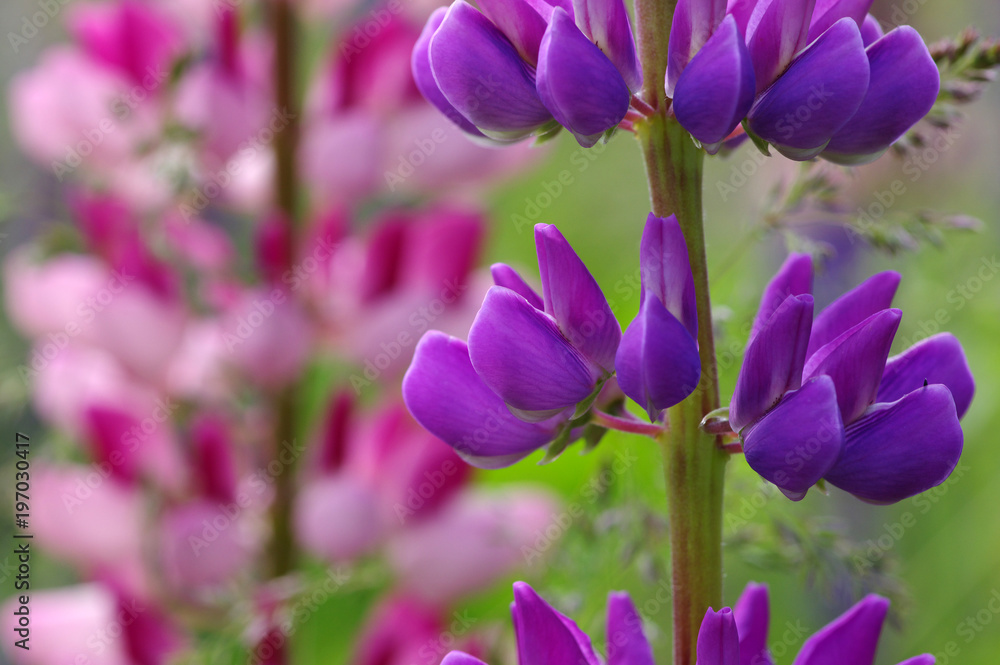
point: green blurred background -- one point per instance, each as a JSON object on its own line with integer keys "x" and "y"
{"x": 937, "y": 555}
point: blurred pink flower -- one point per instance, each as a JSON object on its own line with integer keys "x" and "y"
{"x": 403, "y": 631}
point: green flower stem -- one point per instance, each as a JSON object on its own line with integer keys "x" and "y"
{"x": 694, "y": 461}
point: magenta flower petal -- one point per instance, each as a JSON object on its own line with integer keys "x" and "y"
{"x": 657, "y": 362}
{"x": 607, "y": 25}
{"x": 716, "y": 90}
{"x": 577, "y": 83}
{"x": 520, "y": 21}
{"x": 775, "y": 32}
{"x": 752, "y": 618}
{"x": 420, "y": 65}
{"x": 446, "y": 396}
{"x": 798, "y": 441}
{"x": 520, "y": 354}
{"x": 794, "y": 278}
{"x": 461, "y": 658}
{"x": 850, "y": 639}
{"x": 693, "y": 24}
{"x": 505, "y": 276}
{"x": 544, "y": 636}
{"x": 904, "y": 86}
{"x": 900, "y": 449}
{"x": 855, "y": 362}
{"x": 574, "y": 299}
{"x": 818, "y": 94}
{"x": 481, "y": 74}
{"x": 871, "y": 296}
{"x": 718, "y": 643}
{"x": 937, "y": 359}
{"x": 773, "y": 362}
{"x": 828, "y": 12}
{"x": 626, "y": 643}
{"x": 665, "y": 269}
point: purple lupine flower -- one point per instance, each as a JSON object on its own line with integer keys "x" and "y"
{"x": 529, "y": 362}
{"x": 545, "y": 636}
{"x": 819, "y": 398}
{"x": 739, "y": 637}
{"x": 657, "y": 362}
{"x": 516, "y": 68}
{"x": 810, "y": 78}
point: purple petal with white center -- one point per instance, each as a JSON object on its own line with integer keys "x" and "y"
{"x": 828, "y": 12}
{"x": 871, "y": 296}
{"x": 871, "y": 30}
{"x": 937, "y": 359}
{"x": 505, "y": 276}
{"x": 626, "y": 643}
{"x": 461, "y": 658}
{"x": 420, "y": 65}
{"x": 716, "y": 90}
{"x": 607, "y": 25}
{"x": 545, "y": 636}
{"x": 901, "y": 449}
{"x": 904, "y": 86}
{"x": 773, "y": 362}
{"x": 657, "y": 362}
{"x": 665, "y": 269}
{"x": 850, "y": 639}
{"x": 718, "y": 643}
{"x": 520, "y": 355}
{"x": 752, "y": 619}
{"x": 799, "y": 440}
{"x": 574, "y": 299}
{"x": 446, "y": 396}
{"x": 818, "y": 94}
{"x": 794, "y": 278}
{"x": 775, "y": 32}
{"x": 520, "y": 22}
{"x": 855, "y": 362}
{"x": 693, "y": 24}
{"x": 577, "y": 83}
{"x": 481, "y": 74}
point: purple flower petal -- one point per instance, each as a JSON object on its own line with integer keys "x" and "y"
{"x": 716, "y": 90}
{"x": 693, "y": 23}
{"x": 775, "y": 32}
{"x": 577, "y": 83}
{"x": 461, "y": 658}
{"x": 871, "y": 296}
{"x": 752, "y": 618}
{"x": 742, "y": 11}
{"x": 773, "y": 362}
{"x": 794, "y": 278}
{"x": 505, "y": 276}
{"x": 871, "y": 30}
{"x": 718, "y": 643}
{"x": 925, "y": 659}
{"x": 657, "y": 362}
{"x": 520, "y": 22}
{"x": 607, "y": 24}
{"x": 626, "y": 643}
{"x": 520, "y": 355}
{"x": 818, "y": 94}
{"x": 481, "y": 74}
{"x": 855, "y": 362}
{"x": 828, "y": 12}
{"x": 937, "y": 359}
{"x": 574, "y": 299}
{"x": 850, "y": 639}
{"x": 446, "y": 396}
{"x": 798, "y": 441}
{"x": 420, "y": 64}
{"x": 897, "y": 450}
{"x": 665, "y": 269}
{"x": 544, "y": 636}
{"x": 904, "y": 86}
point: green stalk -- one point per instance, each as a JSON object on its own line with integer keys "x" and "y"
{"x": 694, "y": 462}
